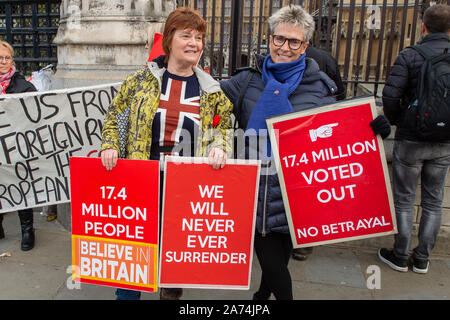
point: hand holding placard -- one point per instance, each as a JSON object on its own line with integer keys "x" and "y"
{"x": 109, "y": 158}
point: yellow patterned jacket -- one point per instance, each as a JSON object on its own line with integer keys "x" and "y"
{"x": 142, "y": 92}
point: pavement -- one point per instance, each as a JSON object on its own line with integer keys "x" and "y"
{"x": 347, "y": 271}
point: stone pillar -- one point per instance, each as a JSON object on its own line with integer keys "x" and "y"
{"x": 102, "y": 41}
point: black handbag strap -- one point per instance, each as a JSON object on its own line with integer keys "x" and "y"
{"x": 424, "y": 51}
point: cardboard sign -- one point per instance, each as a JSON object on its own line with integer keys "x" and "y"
{"x": 115, "y": 223}
{"x": 208, "y": 223}
{"x": 333, "y": 174}
{"x": 39, "y": 132}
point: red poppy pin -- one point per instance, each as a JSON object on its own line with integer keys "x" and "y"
{"x": 216, "y": 121}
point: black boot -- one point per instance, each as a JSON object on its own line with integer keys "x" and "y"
{"x": 2, "y": 232}
{"x": 302, "y": 254}
{"x": 26, "y": 223}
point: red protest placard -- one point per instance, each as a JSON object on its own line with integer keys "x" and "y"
{"x": 333, "y": 174}
{"x": 208, "y": 224}
{"x": 115, "y": 223}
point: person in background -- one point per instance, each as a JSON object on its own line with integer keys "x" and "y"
{"x": 328, "y": 64}
{"x": 155, "y": 96}
{"x": 12, "y": 81}
{"x": 414, "y": 157}
{"x": 284, "y": 81}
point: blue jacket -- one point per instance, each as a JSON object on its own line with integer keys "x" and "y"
{"x": 315, "y": 89}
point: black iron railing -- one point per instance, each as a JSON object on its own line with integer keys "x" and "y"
{"x": 365, "y": 36}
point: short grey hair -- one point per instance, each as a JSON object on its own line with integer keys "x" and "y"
{"x": 296, "y": 16}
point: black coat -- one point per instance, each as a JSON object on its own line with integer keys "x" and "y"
{"x": 18, "y": 84}
{"x": 315, "y": 89}
{"x": 401, "y": 85}
{"x": 328, "y": 64}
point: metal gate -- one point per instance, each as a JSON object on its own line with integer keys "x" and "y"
{"x": 30, "y": 26}
{"x": 365, "y": 36}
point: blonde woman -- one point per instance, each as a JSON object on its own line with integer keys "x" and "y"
{"x": 12, "y": 81}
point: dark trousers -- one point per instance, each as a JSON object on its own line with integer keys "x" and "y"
{"x": 23, "y": 214}
{"x": 126, "y": 294}
{"x": 26, "y": 222}
{"x": 26, "y": 211}
{"x": 430, "y": 162}
{"x": 274, "y": 251}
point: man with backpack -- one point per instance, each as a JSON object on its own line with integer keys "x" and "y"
{"x": 416, "y": 99}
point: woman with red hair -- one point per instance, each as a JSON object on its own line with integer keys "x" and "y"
{"x": 171, "y": 101}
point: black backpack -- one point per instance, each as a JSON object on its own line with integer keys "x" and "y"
{"x": 431, "y": 110}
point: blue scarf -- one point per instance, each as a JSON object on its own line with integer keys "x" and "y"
{"x": 281, "y": 79}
